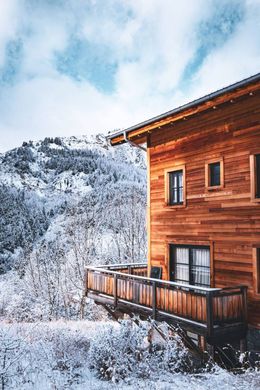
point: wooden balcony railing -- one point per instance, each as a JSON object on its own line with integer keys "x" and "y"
{"x": 212, "y": 312}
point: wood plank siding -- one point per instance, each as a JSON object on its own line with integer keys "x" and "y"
{"x": 222, "y": 128}
{"x": 226, "y": 219}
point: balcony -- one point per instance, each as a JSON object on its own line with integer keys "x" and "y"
{"x": 218, "y": 314}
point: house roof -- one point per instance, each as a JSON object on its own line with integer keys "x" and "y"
{"x": 142, "y": 127}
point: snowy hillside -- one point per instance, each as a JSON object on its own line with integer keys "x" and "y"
{"x": 102, "y": 355}
{"x": 58, "y": 165}
{"x": 65, "y": 203}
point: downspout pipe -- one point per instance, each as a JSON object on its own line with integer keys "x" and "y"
{"x": 133, "y": 143}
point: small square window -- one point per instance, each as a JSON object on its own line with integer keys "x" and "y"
{"x": 214, "y": 174}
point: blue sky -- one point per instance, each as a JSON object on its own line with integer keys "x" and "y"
{"x": 71, "y": 67}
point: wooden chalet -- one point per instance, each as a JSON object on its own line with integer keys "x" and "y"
{"x": 203, "y": 214}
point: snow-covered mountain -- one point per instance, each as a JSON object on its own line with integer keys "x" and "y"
{"x": 58, "y": 165}
{"x": 45, "y": 184}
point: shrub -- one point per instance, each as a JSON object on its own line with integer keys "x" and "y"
{"x": 117, "y": 353}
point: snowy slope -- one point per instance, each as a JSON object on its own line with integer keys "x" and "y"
{"x": 57, "y": 355}
{"x": 29, "y": 165}
{"x": 44, "y": 185}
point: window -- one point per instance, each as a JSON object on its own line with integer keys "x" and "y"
{"x": 214, "y": 174}
{"x": 190, "y": 265}
{"x": 175, "y": 186}
{"x": 255, "y": 177}
{"x": 256, "y": 270}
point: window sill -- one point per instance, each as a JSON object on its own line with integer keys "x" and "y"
{"x": 255, "y": 200}
{"x": 215, "y": 188}
{"x": 174, "y": 206}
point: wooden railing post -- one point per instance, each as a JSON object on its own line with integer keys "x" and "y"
{"x": 129, "y": 269}
{"x": 154, "y": 299}
{"x": 244, "y": 300}
{"x": 86, "y": 282}
{"x": 209, "y": 311}
{"x": 115, "y": 290}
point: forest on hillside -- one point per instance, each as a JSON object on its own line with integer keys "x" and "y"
{"x": 65, "y": 204}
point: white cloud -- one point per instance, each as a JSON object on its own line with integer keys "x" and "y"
{"x": 58, "y": 106}
{"x": 152, "y": 42}
{"x": 238, "y": 58}
{"x": 9, "y": 11}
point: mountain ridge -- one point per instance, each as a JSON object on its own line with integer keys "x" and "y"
{"x": 41, "y": 182}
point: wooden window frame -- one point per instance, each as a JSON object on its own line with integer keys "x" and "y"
{"x": 190, "y": 263}
{"x": 207, "y": 174}
{"x": 209, "y": 244}
{"x": 167, "y": 185}
{"x": 256, "y": 271}
{"x": 253, "y": 178}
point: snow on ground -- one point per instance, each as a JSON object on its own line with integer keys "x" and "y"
{"x": 55, "y": 355}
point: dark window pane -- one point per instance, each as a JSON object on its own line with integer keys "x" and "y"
{"x": 176, "y": 187}
{"x": 175, "y": 196}
{"x": 257, "y": 160}
{"x": 214, "y": 174}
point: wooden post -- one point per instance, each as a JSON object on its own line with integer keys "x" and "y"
{"x": 115, "y": 290}
{"x": 244, "y": 292}
{"x": 210, "y": 322}
{"x": 243, "y": 342}
{"x": 243, "y": 345}
{"x": 84, "y": 295}
{"x": 129, "y": 269}
{"x": 211, "y": 351}
{"x": 209, "y": 311}
{"x": 154, "y": 299}
{"x": 86, "y": 282}
{"x": 150, "y": 339}
{"x": 202, "y": 343}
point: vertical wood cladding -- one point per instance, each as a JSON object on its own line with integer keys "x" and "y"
{"x": 226, "y": 218}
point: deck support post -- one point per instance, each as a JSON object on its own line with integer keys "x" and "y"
{"x": 150, "y": 339}
{"x": 202, "y": 343}
{"x": 243, "y": 345}
{"x": 210, "y": 322}
{"x": 209, "y": 311}
{"x": 244, "y": 292}
{"x": 211, "y": 351}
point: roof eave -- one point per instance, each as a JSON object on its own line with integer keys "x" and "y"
{"x": 183, "y": 108}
